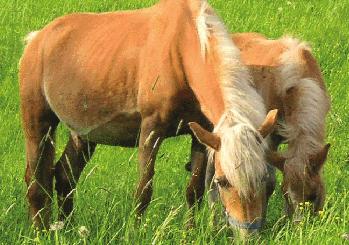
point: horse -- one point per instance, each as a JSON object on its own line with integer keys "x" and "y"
{"x": 288, "y": 78}
{"x": 124, "y": 77}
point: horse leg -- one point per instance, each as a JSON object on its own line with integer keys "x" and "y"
{"x": 212, "y": 190}
{"x": 196, "y": 187}
{"x": 150, "y": 139}
{"x": 68, "y": 170}
{"x": 276, "y": 140}
{"x": 39, "y": 125}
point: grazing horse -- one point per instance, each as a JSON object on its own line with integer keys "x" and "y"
{"x": 287, "y": 76}
{"x": 112, "y": 78}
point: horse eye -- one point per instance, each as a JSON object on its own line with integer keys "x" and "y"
{"x": 222, "y": 182}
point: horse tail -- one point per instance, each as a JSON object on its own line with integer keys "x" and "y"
{"x": 30, "y": 63}
{"x": 30, "y": 37}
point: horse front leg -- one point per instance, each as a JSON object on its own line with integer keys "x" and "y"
{"x": 68, "y": 170}
{"x": 212, "y": 192}
{"x": 196, "y": 187}
{"x": 275, "y": 142}
{"x": 151, "y": 137}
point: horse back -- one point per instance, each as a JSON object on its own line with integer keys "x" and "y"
{"x": 276, "y": 64}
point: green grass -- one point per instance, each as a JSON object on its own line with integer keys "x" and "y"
{"x": 104, "y": 202}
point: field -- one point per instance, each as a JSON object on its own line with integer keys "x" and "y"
{"x": 104, "y": 196}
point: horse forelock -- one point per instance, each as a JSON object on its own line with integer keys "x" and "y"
{"x": 242, "y": 157}
{"x": 296, "y": 170}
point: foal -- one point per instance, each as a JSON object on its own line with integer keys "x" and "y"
{"x": 288, "y": 78}
{"x": 109, "y": 76}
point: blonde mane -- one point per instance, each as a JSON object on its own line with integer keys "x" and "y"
{"x": 242, "y": 155}
{"x": 306, "y": 133}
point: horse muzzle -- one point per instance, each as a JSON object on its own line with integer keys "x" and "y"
{"x": 246, "y": 229}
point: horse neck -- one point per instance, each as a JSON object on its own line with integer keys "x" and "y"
{"x": 226, "y": 95}
{"x": 202, "y": 76}
{"x": 214, "y": 72}
{"x": 208, "y": 91}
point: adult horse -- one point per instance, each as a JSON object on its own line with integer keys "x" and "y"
{"x": 111, "y": 76}
{"x": 287, "y": 76}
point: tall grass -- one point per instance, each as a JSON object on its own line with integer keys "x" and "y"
{"x": 104, "y": 196}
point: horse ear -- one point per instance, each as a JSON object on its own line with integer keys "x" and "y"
{"x": 269, "y": 123}
{"x": 317, "y": 160}
{"x": 205, "y": 137}
{"x": 276, "y": 160}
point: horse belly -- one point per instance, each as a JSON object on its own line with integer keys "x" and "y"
{"x": 123, "y": 130}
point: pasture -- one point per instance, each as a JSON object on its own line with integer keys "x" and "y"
{"x": 104, "y": 197}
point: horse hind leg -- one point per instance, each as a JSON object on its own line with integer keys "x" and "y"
{"x": 68, "y": 170}
{"x": 39, "y": 124}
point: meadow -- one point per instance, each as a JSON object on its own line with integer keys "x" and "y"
{"x": 104, "y": 196}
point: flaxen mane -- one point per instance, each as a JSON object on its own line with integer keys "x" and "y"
{"x": 242, "y": 154}
{"x": 306, "y": 133}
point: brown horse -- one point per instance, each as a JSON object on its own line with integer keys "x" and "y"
{"x": 113, "y": 76}
{"x": 288, "y": 78}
